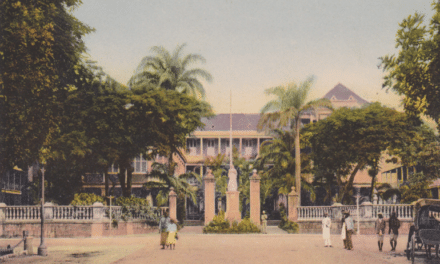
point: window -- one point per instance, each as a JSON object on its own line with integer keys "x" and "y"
{"x": 140, "y": 164}
{"x": 247, "y": 147}
{"x": 192, "y": 146}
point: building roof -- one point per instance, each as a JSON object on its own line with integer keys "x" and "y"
{"x": 221, "y": 122}
{"x": 342, "y": 93}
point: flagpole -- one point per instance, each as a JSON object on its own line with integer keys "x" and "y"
{"x": 231, "y": 165}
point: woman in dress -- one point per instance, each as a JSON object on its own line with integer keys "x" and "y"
{"x": 343, "y": 232}
{"x": 163, "y": 227}
{"x": 172, "y": 234}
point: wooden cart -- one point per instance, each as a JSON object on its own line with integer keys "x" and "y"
{"x": 425, "y": 233}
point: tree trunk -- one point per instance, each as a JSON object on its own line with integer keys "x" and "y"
{"x": 349, "y": 183}
{"x": 298, "y": 159}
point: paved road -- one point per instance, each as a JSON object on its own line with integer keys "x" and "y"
{"x": 194, "y": 247}
{"x": 275, "y": 247}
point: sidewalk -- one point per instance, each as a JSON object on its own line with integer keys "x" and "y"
{"x": 195, "y": 247}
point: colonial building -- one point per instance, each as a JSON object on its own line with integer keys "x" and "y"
{"x": 213, "y": 139}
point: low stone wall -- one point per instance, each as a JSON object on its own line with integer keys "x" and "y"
{"x": 56, "y": 229}
{"x": 366, "y": 226}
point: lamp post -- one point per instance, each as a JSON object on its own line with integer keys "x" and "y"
{"x": 357, "y": 212}
{"x": 42, "y": 249}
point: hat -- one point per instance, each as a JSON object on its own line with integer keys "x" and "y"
{"x": 379, "y": 214}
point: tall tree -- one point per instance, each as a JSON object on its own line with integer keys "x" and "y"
{"x": 286, "y": 110}
{"x": 350, "y": 140}
{"x": 40, "y": 46}
{"x": 415, "y": 71}
{"x": 280, "y": 152}
{"x": 171, "y": 71}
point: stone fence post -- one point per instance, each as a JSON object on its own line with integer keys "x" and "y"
{"x": 209, "y": 197}
{"x": 98, "y": 211}
{"x": 173, "y": 204}
{"x": 292, "y": 205}
{"x": 337, "y": 211}
{"x": 368, "y": 209}
{"x": 255, "y": 197}
{"x": 48, "y": 210}
{"x": 3, "y": 211}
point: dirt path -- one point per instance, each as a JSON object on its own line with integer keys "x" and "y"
{"x": 194, "y": 247}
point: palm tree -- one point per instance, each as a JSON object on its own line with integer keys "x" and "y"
{"x": 171, "y": 71}
{"x": 280, "y": 152}
{"x": 286, "y": 110}
{"x": 162, "y": 179}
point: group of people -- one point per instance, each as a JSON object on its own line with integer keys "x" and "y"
{"x": 348, "y": 229}
{"x": 393, "y": 230}
{"x": 168, "y": 231}
{"x": 346, "y": 232}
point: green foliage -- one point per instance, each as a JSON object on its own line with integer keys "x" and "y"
{"x": 417, "y": 188}
{"x": 286, "y": 110}
{"x": 218, "y": 224}
{"x": 414, "y": 71}
{"x": 86, "y": 199}
{"x": 171, "y": 72}
{"x": 41, "y": 45}
{"x": 280, "y": 151}
{"x": 285, "y": 224}
{"x": 350, "y": 140}
{"x": 221, "y": 225}
{"x": 139, "y": 207}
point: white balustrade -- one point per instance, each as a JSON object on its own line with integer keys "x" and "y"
{"x": 403, "y": 211}
{"x": 22, "y": 212}
{"x": 313, "y": 212}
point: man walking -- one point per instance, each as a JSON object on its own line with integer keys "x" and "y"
{"x": 349, "y": 224}
{"x": 394, "y": 230}
{"x": 380, "y": 230}
{"x": 326, "y": 224}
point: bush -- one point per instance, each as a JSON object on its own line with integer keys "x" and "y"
{"x": 221, "y": 225}
{"x": 285, "y": 224}
{"x": 86, "y": 199}
{"x": 137, "y": 207}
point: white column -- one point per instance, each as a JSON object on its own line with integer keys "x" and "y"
{"x": 201, "y": 147}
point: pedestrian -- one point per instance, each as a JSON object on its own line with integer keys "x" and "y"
{"x": 326, "y": 225}
{"x": 163, "y": 227}
{"x": 344, "y": 232}
{"x": 380, "y": 230}
{"x": 349, "y": 225}
{"x": 264, "y": 223}
{"x": 394, "y": 224}
{"x": 172, "y": 234}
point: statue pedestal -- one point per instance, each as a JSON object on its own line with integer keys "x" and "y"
{"x": 232, "y": 206}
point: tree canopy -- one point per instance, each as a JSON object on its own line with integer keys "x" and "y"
{"x": 415, "y": 71}
{"x": 40, "y": 47}
{"x": 350, "y": 140}
{"x": 171, "y": 72}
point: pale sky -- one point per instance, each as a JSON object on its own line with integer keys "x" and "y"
{"x": 252, "y": 45}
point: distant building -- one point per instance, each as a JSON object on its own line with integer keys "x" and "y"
{"x": 213, "y": 139}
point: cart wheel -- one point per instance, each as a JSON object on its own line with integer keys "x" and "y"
{"x": 412, "y": 248}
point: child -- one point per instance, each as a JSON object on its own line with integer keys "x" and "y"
{"x": 172, "y": 234}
